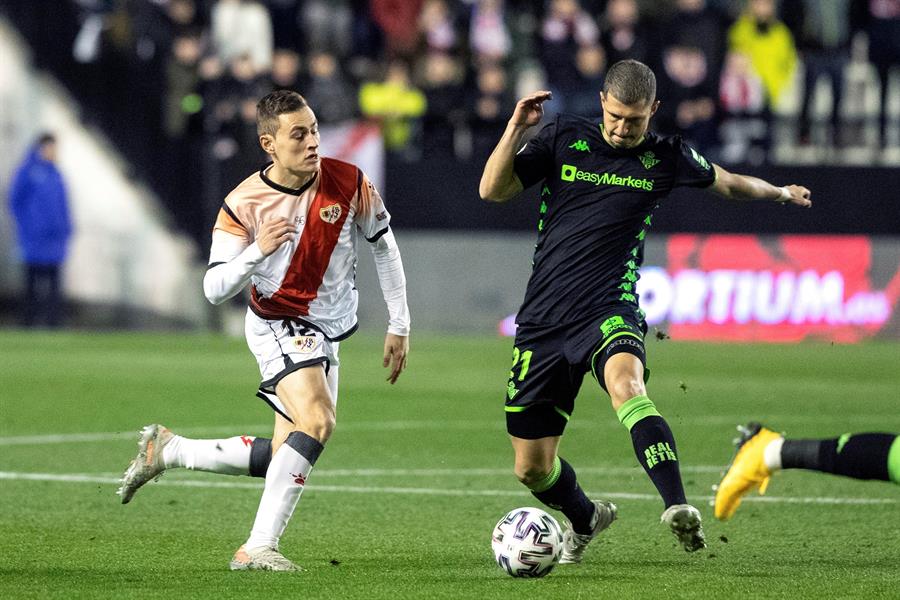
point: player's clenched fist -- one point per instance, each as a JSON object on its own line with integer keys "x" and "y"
{"x": 799, "y": 195}
{"x": 273, "y": 233}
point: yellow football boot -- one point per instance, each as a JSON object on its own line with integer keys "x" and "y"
{"x": 746, "y": 471}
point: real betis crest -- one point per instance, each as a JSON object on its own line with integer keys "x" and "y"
{"x": 648, "y": 159}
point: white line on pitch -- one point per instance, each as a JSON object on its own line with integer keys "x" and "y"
{"x": 231, "y": 430}
{"x": 355, "y": 489}
{"x": 860, "y": 421}
{"x": 109, "y": 436}
{"x": 462, "y": 471}
{"x": 497, "y": 471}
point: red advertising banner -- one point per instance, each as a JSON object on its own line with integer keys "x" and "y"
{"x": 775, "y": 289}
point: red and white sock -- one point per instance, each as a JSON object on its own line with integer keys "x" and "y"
{"x": 229, "y": 456}
{"x": 285, "y": 480}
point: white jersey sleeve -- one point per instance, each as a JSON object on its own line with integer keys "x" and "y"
{"x": 393, "y": 282}
{"x": 373, "y": 221}
{"x": 372, "y": 218}
{"x": 232, "y": 258}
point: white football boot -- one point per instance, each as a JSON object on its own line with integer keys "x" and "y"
{"x": 574, "y": 544}
{"x": 684, "y": 521}
{"x": 261, "y": 559}
{"x": 148, "y": 464}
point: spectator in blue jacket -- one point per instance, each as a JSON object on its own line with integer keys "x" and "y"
{"x": 39, "y": 204}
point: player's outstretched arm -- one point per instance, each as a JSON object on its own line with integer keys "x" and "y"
{"x": 499, "y": 182}
{"x": 744, "y": 187}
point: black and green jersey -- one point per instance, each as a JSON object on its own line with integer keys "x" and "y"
{"x": 596, "y": 206}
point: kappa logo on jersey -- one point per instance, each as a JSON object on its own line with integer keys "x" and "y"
{"x": 648, "y": 159}
{"x": 581, "y": 145}
{"x": 700, "y": 160}
{"x": 330, "y": 214}
{"x": 381, "y": 216}
{"x": 305, "y": 344}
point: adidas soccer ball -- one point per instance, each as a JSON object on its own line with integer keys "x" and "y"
{"x": 527, "y": 542}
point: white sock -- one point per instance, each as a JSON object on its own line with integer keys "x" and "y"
{"x": 285, "y": 480}
{"x": 227, "y": 456}
{"x": 772, "y": 454}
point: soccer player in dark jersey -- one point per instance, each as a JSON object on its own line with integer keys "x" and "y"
{"x": 761, "y": 452}
{"x": 601, "y": 183}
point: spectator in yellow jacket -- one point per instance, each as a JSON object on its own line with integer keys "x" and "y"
{"x": 768, "y": 42}
{"x": 396, "y": 103}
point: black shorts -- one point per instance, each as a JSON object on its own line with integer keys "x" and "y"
{"x": 549, "y": 363}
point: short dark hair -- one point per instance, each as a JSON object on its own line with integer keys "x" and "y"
{"x": 276, "y": 103}
{"x": 631, "y": 82}
{"x": 46, "y": 138}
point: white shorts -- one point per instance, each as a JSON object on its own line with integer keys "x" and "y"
{"x": 282, "y": 347}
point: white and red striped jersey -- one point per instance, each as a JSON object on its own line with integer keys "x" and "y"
{"x": 312, "y": 277}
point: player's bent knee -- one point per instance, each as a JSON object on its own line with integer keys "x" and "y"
{"x": 624, "y": 389}
{"x": 531, "y": 473}
{"x": 315, "y": 418}
{"x": 321, "y": 422}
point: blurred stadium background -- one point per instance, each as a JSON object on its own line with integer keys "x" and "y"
{"x": 152, "y": 102}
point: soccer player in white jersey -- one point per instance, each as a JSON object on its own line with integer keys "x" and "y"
{"x": 290, "y": 232}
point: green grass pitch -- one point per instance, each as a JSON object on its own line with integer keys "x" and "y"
{"x": 402, "y": 502}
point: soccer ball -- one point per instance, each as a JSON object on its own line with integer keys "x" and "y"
{"x": 527, "y": 542}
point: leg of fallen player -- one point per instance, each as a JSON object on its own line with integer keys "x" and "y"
{"x": 762, "y": 452}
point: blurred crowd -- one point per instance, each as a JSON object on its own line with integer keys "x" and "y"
{"x": 441, "y": 76}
